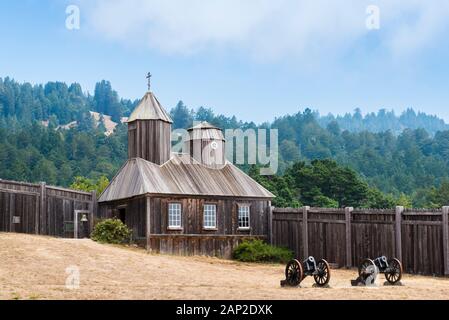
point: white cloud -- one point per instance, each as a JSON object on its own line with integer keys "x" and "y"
{"x": 265, "y": 29}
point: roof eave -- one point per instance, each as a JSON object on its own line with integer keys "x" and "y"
{"x": 164, "y": 195}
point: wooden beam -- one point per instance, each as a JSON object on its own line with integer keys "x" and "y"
{"x": 30, "y": 193}
{"x": 270, "y": 222}
{"x": 94, "y": 208}
{"x": 398, "y": 232}
{"x": 68, "y": 190}
{"x": 148, "y": 222}
{"x": 36, "y": 214}
{"x": 348, "y": 237}
{"x": 43, "y": 208}
{"x": 445, "y": 225}
{"x": 305, "y": 231}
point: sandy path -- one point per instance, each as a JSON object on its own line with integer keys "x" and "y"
{"x": 35, "y": 268}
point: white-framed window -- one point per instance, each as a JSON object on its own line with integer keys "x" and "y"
{"x": 244, "y": 216}
{"x": 210, "y": 216}
{"x": 174, "y": 216}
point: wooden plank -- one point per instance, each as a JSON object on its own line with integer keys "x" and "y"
{"x": 18, "y": 191}
{"x": 421, "y": 223}
{"x": 305, "y": 231}
{"x": 372, "y": 222}
{"x": 270, "y": 222}
{"x": 445, "y": 229}
{"x": 148, "y": 223}
{"x": 398, "y": 232}
{"x": 37, "y": 214}
{"x": 93, "y": 209}
{"x": 348, "y": 237}
{"x": 43, "y": 208}
{"x": 51, "y": 188}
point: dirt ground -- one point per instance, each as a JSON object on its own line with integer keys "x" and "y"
{"x": 35, "y": 268}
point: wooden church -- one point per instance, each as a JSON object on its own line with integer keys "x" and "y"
{"x": 191, "y": 203}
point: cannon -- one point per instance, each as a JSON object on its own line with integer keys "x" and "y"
{"x": 369, "y": 269}
{"x": 295, "y": 272}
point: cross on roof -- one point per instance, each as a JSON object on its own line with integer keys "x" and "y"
{"x": 149, "y": 75}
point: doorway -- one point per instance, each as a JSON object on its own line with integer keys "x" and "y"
{"x": 82, "y": 224}
{"x": 122, "y": 214}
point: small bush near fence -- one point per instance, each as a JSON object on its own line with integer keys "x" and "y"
{"x": 259, "y": 251}
{"x": 111, "y": 231}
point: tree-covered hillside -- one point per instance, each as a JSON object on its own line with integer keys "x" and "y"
{"x": 407, "y": 163}
{"x": 384, "y": 120}
{"x": 58, "y": 102}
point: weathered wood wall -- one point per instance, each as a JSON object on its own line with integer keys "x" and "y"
{"x": 149, "y": 140}
{"x": 192, "y": 216}
{"x": 192, "y": 238}
{"x": 41, "y": 209}
{"x": 135, "y": 217}
{"x": 190, "y": 245}
{"x": 419, "y": 238}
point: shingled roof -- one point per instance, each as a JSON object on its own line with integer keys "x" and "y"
{"x": 181, "y": 175}
{"x": 149, "y": 108}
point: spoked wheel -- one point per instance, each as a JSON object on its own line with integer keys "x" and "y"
{"x": 366, "y": 268}
{"x": 323, "y": 273}
{"x": 394, "y": 273}
{"x": 368, "y": 272}
{"x": 294, "y": 273}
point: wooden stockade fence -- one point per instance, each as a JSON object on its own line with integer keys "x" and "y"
{"x": 45, "y": 210}
{"x": 418, "y": 237}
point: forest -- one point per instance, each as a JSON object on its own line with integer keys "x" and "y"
{"x": 377, "y": 160}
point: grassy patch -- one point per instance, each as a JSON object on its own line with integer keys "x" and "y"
{"x": 259, "y": 251}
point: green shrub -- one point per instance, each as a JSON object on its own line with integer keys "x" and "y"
{"x": 259, "y": 251}
{"x": 111, "y": 231}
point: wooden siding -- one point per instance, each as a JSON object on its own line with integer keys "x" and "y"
{"x": 18, "y": 212}
{"x": 192, "y": 238}
{"x": 150, "y": 140}
{"x": 135, "y": 214}
{"x": 193, "y": 245}
{"x": 346, "y": 236}
{"x": 41, "y": 209}
{"x": 192, "y": 216}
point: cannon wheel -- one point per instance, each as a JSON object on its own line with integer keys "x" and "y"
{"x": 364, "y": 266}
{"x": 395, "y": 271}
{"x": 294, "y": 273}
{"x": 323, "y": 274}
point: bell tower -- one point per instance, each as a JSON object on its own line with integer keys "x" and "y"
{"x": 149, "y": 130}
{"x": 206, "y": 144}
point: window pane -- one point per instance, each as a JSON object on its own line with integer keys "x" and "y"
{"x": 174, "y": 215}
{"x": 210, "y": 216}
{"x": 243, "y": 216}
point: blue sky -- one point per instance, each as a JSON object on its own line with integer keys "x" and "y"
{"x": 253, "y": 59}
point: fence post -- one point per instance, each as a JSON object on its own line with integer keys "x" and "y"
{"x": 348, "y": 238}
{"x": 270, "y": 222}
{"x": 43, "y": 209}
{"x": 398, "y": 232}
{"x": 94, "y": 210}
{"x": 445, "y": 221}
{"x": 37, "y": 217}
{"x": 148, "y": 224}
{"x": 305, "y": 231}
